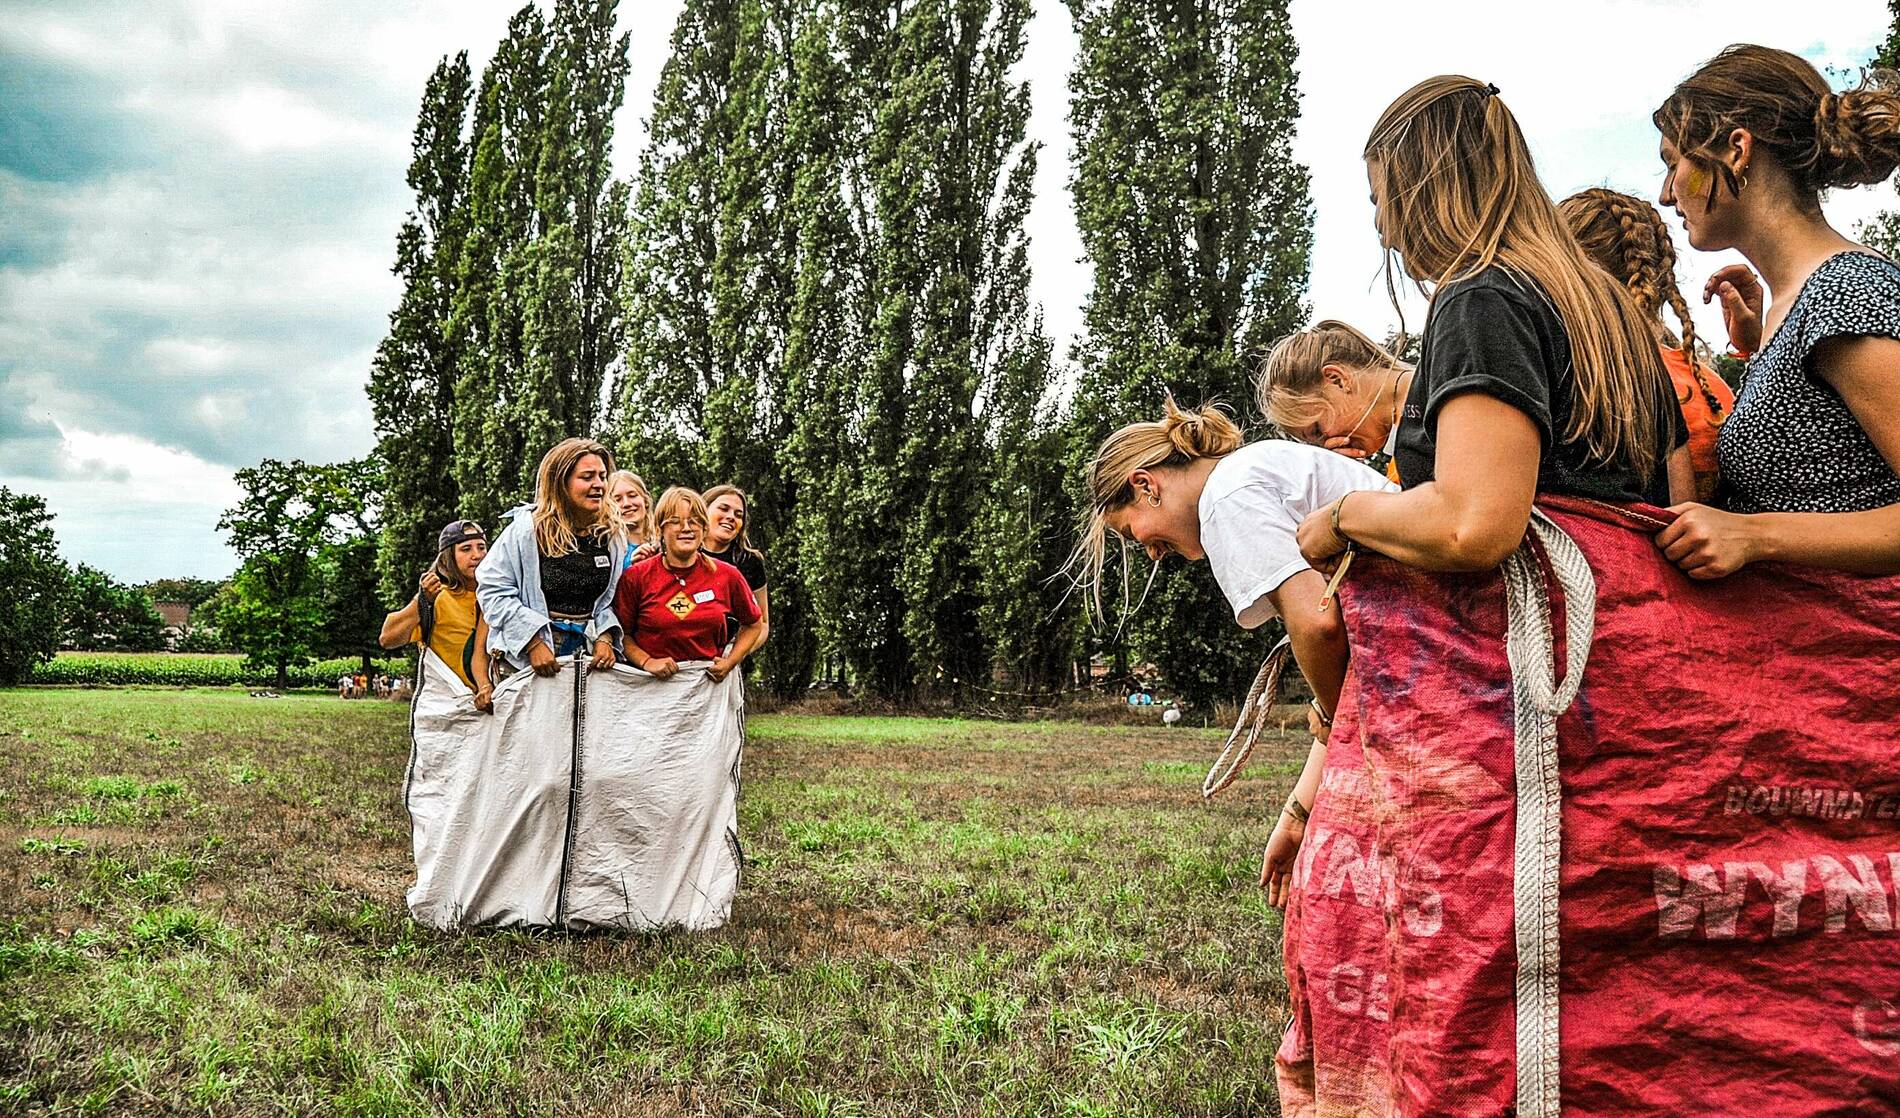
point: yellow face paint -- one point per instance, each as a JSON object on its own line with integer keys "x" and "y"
{"x": 1695, "y": 183}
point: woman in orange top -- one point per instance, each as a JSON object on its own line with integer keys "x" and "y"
{"x": 1627, "y": 238}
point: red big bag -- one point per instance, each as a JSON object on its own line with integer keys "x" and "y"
{"x": 1597, "y": 839}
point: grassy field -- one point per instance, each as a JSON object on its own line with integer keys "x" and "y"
{"x": 203, "y": 913}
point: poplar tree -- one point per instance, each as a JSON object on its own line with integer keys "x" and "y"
{"x": 487, "y": 328}
{"x": 830, "y": 315}
{"x": 1197, "y": 222}
{"x": 713, "y": 263}
{"x": 413, "y": 376}
{"x": 536, "y": 322}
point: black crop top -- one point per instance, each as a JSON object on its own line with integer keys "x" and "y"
{"x": 573, "y": 583}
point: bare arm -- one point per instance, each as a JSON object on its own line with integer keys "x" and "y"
{"x": 1681, "y": 476}
{"x": 764, "y": 597}
{"x": 1470, "y": 518}
{"x": 749, "y": 639}
{"x": 399, "y": 626}
{"x": 1709, "y": 543}
{"x": 1319, "y": 646}
{"x": 1318, "y": 636}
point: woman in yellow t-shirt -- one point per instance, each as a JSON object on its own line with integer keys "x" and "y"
{"x": 457, "y": 632}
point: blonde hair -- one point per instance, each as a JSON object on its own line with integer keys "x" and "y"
{"x": 1626, "y": 237}
{"x": 1821, "y": 138}
{"x": 1287, "y": 387}
{"x": 1175, "y": 440}
{"x": 744, "y": 539}
{"x": 1459, "y": 194}
{"x": 687, "y": 505}
{"x": 558, "y": 522}
{"x": 645, "y": 527}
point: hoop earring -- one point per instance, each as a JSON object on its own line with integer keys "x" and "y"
{"x": 1154, "y": 501}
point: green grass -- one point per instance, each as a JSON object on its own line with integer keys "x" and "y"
{"x": 204, "y": 913}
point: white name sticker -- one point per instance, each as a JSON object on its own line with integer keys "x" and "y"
{"x": 703, "y": 597}
{"x": 602, "y": 560}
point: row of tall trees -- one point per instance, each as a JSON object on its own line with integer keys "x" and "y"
{"x": 818, "y": 288}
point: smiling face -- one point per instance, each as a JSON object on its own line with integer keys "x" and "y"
{"x": 726, "y": 516}
{"x": 1171, "y": 528}
{"x": 680, "y": 535}
{"x": 587, "y": 485}
{"x": 627, "y": 498}
{"x": 469, "y": 555}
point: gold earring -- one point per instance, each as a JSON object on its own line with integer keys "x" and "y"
{"x": 1154, "y": 500}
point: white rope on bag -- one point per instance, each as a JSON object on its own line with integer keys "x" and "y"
{"x": 1251, "y": 723}
{"x": 1539, "y": 699}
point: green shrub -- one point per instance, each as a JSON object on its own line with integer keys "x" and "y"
{"x": 179, "y": 669}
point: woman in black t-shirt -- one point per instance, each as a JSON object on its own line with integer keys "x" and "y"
{"x": 727, "y": 510}
{"x": 1537, "y": 372}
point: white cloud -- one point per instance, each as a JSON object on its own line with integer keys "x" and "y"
{"x": 136, "y": 509}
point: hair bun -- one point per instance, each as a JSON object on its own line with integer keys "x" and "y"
{"x": 1203, "y": 433}
{"x": 1857, "y": 133}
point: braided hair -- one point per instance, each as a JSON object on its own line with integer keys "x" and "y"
{"x": 1626, "y": 237}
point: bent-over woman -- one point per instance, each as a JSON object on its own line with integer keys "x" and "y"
{"x": 1184, "y": 485}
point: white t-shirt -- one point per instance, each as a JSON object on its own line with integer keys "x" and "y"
{"x": 1251, "y": 510}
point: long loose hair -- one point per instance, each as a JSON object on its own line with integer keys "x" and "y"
{"x": 558, "y": 521}
{"x": 743, "y": 541}
{"x": 1459, "y": 193}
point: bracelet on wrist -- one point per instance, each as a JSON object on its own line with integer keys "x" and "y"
{"x": 1338, "y": 506}
{"x": 1299, "y": 811}
{"x": 1325, "y": 719}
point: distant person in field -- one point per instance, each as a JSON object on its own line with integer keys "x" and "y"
{"x": 628, "y": 492}
{"x": 672, "y": 606}
{"x": 1185, "y": 485}
{"x": 444, "y": 615}
{"x": 1810, "y": 456}
{"x": 547, "y": 585}
{"x": 1627, "y": 238}
{"x": 727, "y": 510}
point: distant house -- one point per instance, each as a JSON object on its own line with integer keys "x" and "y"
{"x": 177, "y": 618}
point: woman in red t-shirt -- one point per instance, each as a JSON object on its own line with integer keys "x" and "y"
{"x": 672, "y": 606}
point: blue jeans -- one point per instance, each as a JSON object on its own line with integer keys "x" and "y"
{"x": 570, "y": 637}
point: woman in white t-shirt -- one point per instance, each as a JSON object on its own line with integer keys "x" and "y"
{"x": 1186, "y": 486}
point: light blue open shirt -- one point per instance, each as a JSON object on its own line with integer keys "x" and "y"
{"x": 508, "y": 589}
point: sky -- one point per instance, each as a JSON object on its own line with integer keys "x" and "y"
{"x": 199, "y": 202}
